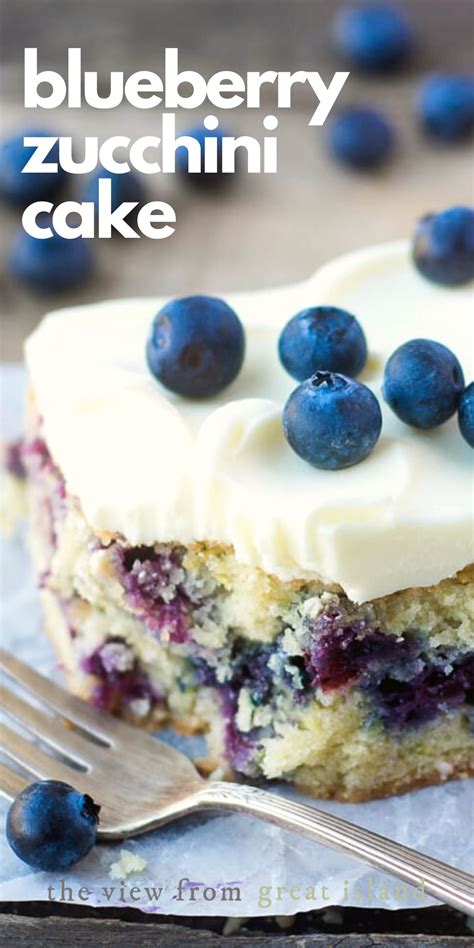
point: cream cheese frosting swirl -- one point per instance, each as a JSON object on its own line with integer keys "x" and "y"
{"x": 154, "y": 466}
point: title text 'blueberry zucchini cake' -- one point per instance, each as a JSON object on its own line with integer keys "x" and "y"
{"x": 294, "y": 579}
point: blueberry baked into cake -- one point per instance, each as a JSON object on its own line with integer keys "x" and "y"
{"x": 255, "y": 517}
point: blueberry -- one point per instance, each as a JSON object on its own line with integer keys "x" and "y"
{"x": 445, "y": 106}
{"x": 332, "y": 421}
{"x": 322, "y": 338}
{"x": 25, "y": 188}
{"x": 374, "y": 36}
{"x": 440, "y": 686}
{"x": 443, "y": 246}
{"x": 466, "y": 414}
{"x": 50, "y": 265}
{"x": 124, "y": 187}
{"x": 361, "y": 138}
{"x": 51, "y": 826}
{"x": 423, "y": 382}
{"x": 196, "y": 347}
{"x": 201, "y": 179}
{"x": 344, "y": 648}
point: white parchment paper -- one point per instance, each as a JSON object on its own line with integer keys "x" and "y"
{"x": 273, "y": 871}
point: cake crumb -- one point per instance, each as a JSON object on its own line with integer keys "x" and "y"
{"x": 233, "y": 925}
{"x": 245, "y": 711}
{"x": 127, "y": 864}
{"x": 444, "y": 769}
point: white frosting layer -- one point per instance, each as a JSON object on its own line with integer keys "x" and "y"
{"x": 156, "y": 467}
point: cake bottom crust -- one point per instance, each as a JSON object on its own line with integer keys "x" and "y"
{"x": 461, "y": 770}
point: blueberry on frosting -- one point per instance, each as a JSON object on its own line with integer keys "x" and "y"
{"x": 361, "y": 138}
{"x": 445, "y": 106}
{"x": 196, "y": 347}
{"x": 443, "y": 246}
{"x": 374, "y": 36}
{"x": 332, "y": 421}
{"x": 423, "y": 382}
{"x": 322, "y": 338}
{"x": 466, "y": 414}
{"x": 51, "y": 826}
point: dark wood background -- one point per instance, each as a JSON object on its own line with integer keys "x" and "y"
{"x": 263, "y": 230}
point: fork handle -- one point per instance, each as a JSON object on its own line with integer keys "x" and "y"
{"x": 445, "y": 883}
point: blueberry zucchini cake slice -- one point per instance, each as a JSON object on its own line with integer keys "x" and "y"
{"x": 315, "y": 619}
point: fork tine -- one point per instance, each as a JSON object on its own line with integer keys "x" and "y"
{"x": 49, "y": 729}
{"x": 105, "y": 727}
{"x": 11, "y": 783}
{"x": 33, "y": 758}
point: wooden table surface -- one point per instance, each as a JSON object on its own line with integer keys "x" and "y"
{"x": 263, "y": 230}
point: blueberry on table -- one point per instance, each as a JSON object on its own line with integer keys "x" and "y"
{"x": 445, "y": 106}
{"x": 443, "y": 246}
{"x": 196, "y": 347}
{"x": 52, "y": 264}
{"x": 124, "y": 187}
{"x": 332, "y": 421}
{"x": 322, "y": 338}
{"x": 361, "y": 138}
{"x": 22, "y": 189}
{"x": 466, "y": 414}
{"x": 209, "y": 180}
{"x": 51, "y": 826}
{"x": 423, "y": 382}
{"x": 374, "y": 37}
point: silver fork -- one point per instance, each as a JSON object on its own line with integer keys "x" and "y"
{"x": 141, "y": 783}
